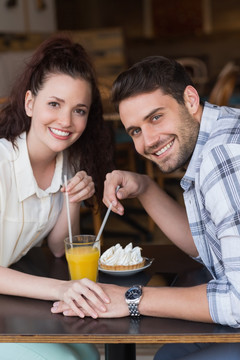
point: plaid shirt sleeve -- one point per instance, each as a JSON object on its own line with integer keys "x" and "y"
{"x": 219, "y": 185}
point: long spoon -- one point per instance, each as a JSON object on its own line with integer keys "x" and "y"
{"x": 105, "y": 218}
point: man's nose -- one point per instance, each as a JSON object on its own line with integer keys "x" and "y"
{"x": 150, "y": 137}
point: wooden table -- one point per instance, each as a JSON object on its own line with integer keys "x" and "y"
{"x": 30, "y": 320}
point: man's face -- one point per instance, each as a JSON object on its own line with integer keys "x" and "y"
{"x": 162, "y": 130}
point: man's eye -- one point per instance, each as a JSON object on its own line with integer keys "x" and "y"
{"x": 156, "y": 117}
{"x": 135, "y": 132}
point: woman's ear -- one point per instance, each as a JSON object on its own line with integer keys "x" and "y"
{"x": 29, "y": 103}
{"x": 192, "y": 100}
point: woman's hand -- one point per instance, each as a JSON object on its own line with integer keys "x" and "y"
{"x": 80, "y": 187}
{"x": 81, "y": 298}
{"x": 116, "y": 307}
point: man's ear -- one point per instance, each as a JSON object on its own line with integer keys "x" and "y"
{"x": 191, "y": 99}
{"x": 29, "y": 103}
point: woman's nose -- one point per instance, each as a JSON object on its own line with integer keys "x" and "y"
{"x": 65, "y": 119}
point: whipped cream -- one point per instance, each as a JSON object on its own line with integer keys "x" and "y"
{"x": 116, "y": 255}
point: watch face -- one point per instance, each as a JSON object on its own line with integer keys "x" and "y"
{"x": 134, "y": 292}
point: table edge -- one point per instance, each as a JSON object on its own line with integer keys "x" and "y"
{"x": 113, "y": 339}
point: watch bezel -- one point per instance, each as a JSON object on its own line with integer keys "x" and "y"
{"x": 133, "y": 302}
{"x": 130, "y": 291}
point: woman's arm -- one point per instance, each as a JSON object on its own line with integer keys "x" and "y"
{"x": 73, "y": 293}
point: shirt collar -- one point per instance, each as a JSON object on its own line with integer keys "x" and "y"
{"x": 25, "y": 180}
{"x": 209, "y": 117}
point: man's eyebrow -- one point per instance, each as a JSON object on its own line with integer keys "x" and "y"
{"x": 130, "y": 128}
{"x": 152, "y": 112}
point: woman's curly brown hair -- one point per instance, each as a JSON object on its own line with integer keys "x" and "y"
{"x": 93, "y": 151}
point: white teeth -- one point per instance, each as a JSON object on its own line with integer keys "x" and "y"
{"x": 164, "y": 149}
{"x": 59, "y": 132}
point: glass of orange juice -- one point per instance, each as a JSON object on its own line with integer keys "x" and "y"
{"x": 82, "y": 254}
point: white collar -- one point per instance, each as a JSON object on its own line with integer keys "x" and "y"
{"x": 25, "y": 180}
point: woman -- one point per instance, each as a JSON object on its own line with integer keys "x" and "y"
{"x": 52, "y": 125}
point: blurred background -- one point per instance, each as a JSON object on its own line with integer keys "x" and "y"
{"x": 207, "y": 30}
{"x": 203, "y": 35}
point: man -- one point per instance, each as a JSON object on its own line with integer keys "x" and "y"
{"x": 161, "y": 110}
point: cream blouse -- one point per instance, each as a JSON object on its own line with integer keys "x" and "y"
{"x": 27, "y": 213}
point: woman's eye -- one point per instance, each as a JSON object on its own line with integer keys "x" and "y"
{"x": 80, "y": 111}
{"x": 53, "y": 104}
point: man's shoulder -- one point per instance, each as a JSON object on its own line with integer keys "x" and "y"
{"x": 229, "y": 112}
{"x": 220, "y": 112}
{"x": 225, "y": 124}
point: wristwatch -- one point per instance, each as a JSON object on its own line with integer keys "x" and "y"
{"x": 133, "y": 296}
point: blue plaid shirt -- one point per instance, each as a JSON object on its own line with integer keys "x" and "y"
{"x": 212, "y": 199}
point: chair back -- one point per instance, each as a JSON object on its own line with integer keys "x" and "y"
{"x": 225, "y": 84}
{"x": 197, "y": 69}
{"x": 3, "y": 100}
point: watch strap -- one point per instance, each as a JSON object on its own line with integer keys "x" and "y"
{"x": 133, "y": 309}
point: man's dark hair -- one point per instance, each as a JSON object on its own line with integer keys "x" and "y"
{"x": 152, "y": 73}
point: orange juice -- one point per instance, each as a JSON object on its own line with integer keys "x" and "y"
{"x": 83, "y": 262}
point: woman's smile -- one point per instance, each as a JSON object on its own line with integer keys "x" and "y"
{"x": 60, "y": 134}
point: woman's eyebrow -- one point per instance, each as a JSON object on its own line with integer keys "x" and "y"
{"x": 57, "y": 98}
{"x": 63, "y": 101}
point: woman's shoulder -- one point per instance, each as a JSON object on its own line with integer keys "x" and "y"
{"x": 6, "y": 168}
{"x": 7, "y": 150}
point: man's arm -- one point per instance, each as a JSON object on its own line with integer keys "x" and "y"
{"x": 168, "y": 302}
{"x": 170, "y": 216}
{"x": 182, "y": 303}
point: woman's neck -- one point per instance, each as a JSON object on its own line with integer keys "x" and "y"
{"x": 43, "y": 162}
{"x": 44, "y": 173}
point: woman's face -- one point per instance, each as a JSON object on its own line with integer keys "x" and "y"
{"x": 59, "y": 113}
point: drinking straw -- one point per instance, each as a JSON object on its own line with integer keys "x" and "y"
{"x": 68, "y": 211}
{"x": 105, "y": 218}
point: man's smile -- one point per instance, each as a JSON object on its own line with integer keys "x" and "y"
{"x": 161, "y": 151}
{"x": 164, "y": 149}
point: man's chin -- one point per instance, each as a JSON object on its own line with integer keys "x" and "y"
{"x": 168, "y": 169}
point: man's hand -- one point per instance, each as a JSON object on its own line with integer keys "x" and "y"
{"x": 116, "y": 308}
